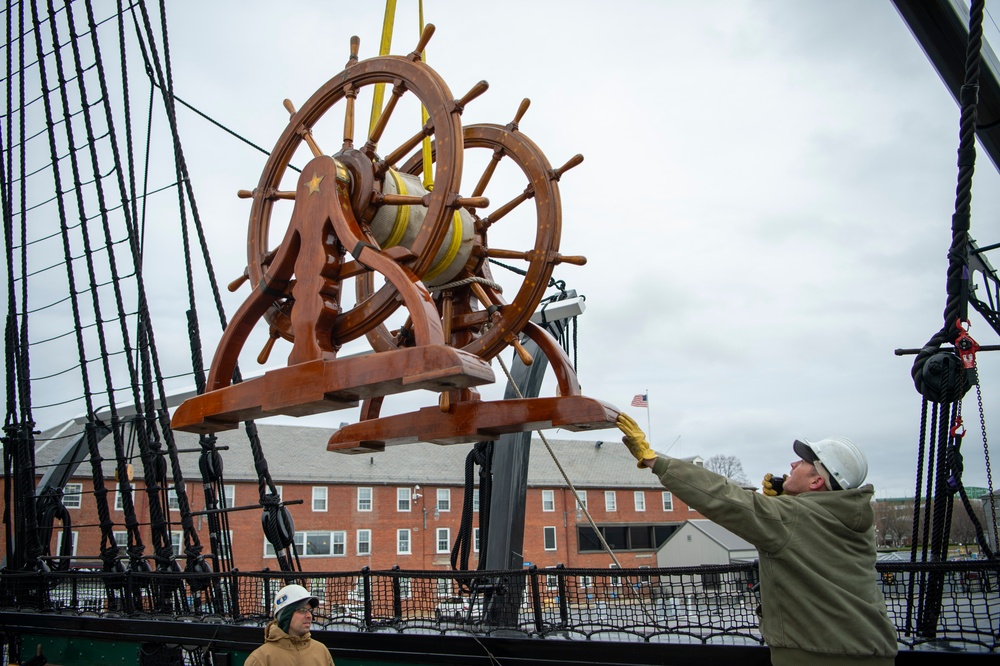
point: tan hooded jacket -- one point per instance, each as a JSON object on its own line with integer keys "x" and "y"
{"x": 280, "y": 649}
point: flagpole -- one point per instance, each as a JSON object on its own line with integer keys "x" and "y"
{"x": 649, "y": 425}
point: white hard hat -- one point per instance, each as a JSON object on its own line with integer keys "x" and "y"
{"x": 839, "y": 456}
{"x": 290, "y": 596}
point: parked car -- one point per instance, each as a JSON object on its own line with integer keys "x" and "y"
{"x": 460, "y": 609}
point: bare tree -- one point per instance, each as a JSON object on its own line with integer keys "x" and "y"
{"x": 893, "y": 522}
{"x": 728, "y": 466}
{"x": 963, "y": 530}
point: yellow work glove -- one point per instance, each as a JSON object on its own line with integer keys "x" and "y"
{"x": 635, "y": 439}
{"x": 773, "y": 484}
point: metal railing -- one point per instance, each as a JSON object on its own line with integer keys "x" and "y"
{"x": 954, "y": 604}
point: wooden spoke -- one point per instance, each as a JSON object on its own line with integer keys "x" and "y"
{"x": 238, "y": 282}
{"x": 404, "y": 149}
{"x": 521, "y": 110}
{"x": 473, "y": 93}
{"x": 555, "y": 258}
{"x": 574, "y": 161}
{"x": 503, "y": 210}
{"x": 265, "y": 353}
{"x": 271, "y": 195}
{"x": 472, "y": 202}
{"x": 491, "y": 167}
{"x": 522, "y": 353}
{"x": 425, "y": 37}
{"x": 355, "y": 47}
{"x": 398, "y": 88}
{"x": 380, "y": 199}
{"x": 305, "y": 132}
{"x": 498, "y": 152}
{"x": 350, "y": 95}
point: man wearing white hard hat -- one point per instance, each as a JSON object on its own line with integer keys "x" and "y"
{"x": 286, "y": 638}
{"x": 814, "y": 532}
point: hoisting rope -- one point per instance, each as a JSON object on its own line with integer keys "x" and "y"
{"x": 944, "y": 377}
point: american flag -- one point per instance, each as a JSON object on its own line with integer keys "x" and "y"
{"x": 640, "y": 400}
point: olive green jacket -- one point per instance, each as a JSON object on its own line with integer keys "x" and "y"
{"x": 817, "y": 560}
{"x": 280, "y": 649}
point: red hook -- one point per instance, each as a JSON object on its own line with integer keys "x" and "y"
{"x": 958, "y": 429}
{"x": 966, "y": 346}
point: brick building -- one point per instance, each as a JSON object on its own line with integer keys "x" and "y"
{"x": 399, "y": 507}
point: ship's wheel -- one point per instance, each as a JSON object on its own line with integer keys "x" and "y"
{"x": 414, "y": 241}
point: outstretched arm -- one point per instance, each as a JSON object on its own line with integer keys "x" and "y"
{"x": 635, "y": 440}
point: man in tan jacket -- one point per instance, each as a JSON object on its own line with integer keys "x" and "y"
{"x": 820, "y": 601}
{"x": 286, "y": 638}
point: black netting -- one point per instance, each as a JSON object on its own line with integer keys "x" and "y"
{"x": 706, "y": 604}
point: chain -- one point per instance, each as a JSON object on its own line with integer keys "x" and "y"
{"x": 986, "y": 452}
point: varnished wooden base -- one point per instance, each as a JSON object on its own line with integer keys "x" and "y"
{"x": 322, "y": 386}
{"x": 475, "y": 421}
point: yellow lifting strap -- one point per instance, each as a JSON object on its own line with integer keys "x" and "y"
{"x": 428, "y": 155}
{"x": 383, "y": 50}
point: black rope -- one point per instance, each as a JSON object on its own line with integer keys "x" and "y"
{"x": 957, "y": 281}
{"x": 482, "y": 455}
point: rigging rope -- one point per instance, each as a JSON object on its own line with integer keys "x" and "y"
{"x": 944, "y": 377}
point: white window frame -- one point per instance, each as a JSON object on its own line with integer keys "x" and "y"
{"x": 475, "y": 500}
{"x": 610, "y": 501}
{"x": 581, "y": 503}
{"x": 227, "y": 552}
{"x": 640, "y": 500}
{"x": 443, "y": 587}
{"x": 118, "y": 501}
{"x": 404, "y": 500}
{"x": 177, "y": 542}
{"x": 320, "y": 497}
{"x": 614, "y": 581}
{"x": 475, "y": 539}
{"x": 548, "y": 500}
{"x": 443, "y": 500}
{"x": 336, "y": 538}
{"x": 366, "y": 499}
{"x": 229, "y": 492}
{"x": 73, "y": 495}
{"x": 338, "y": 541}
{"x": 442, "y": 535}
{"x": 121, "y": 538}
{"x": 668, "y": 500}
{"x": 364, "y": 538}
{"x": 405, "y": 588}
{"x": 173, "y": 501}
{"x": 404, "y": 542}
{"x": 546, "y": 532}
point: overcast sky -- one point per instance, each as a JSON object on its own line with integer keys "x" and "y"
{"x": 765, "y": 202}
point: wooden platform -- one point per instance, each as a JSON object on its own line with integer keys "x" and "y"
{"x": 320, "y": 386}
{"x": 475, "y": 421}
